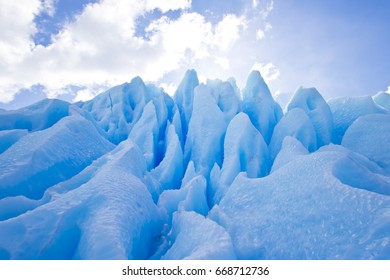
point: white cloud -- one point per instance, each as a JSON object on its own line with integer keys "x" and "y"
{"x": 190, "y": 40}
{"x": 165, "y": 6}
{"x": 222, "y": 61}
{"x": 260, "y": 34}
{"x": 255, "y": 3}
{"x": 16, "y": 25}
{"x": 228, "y": 30}
{"x": 48, "y": 6}
{"x": 268, "y": 71}
{"x": 267, "y": 10}
{"x": 189, "y": 34}
{"x": 388, "y": 90}
{"x": 100, "y": 48}
{"x": 84, "y": 95}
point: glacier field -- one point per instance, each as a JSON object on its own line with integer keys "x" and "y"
{"x": 213, "y": 172}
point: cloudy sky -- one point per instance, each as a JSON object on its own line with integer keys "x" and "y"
{"x": 74, "y": 49}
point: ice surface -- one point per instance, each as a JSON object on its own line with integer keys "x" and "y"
{"x": 10, "y": 137}
{"x": 111, "y": 216}
{"x": 356, "y": 171}
{"x": 244, "y": 151}
{"x": 38, "y": 116}
{"x": 346, "y": 110}
{"x": 383, "y": 99}
{"x": 304, "y": 211}
{"x": 237, "y": 91}
{"x": 191, "y": 197}
{"x": 14, "y": 206}
{"x": 204, "y": 144}
{"x": 133, "y": 174}
{"x": 145, "y": 134}
{"x": 318, "y": 111}
{"x": 226, "y": 98}
{"x": 189, "y": 174}
{"x": 259, "y": 105}
{"x": 194, "y": 237}
{"x": 215, "y": 104}
{"x": 184, "y": 98}
{"x": 295, "y": 123}
{"x": 44, "y": 158}
{"x": 119, "y": 109}
{"x": 291, "y": 149}
{"x": 170, "y": 171}
{"x": 366, "y": 134}
{"x": 176, "y": 122}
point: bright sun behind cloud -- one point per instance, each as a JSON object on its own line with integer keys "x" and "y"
{"x": 102, "y": 46}
{"x": 76, "y": 49}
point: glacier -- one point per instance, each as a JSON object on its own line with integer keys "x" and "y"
{"x": 213, "y": 172}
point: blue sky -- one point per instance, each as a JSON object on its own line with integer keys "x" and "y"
{"x": 75, "y": 49}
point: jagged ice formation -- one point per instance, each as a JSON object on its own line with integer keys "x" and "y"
{"x": 212, "y": 173}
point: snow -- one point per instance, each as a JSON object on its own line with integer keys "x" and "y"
{"x": 214, "y": 173}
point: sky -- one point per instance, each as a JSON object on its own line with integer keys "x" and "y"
{"x": 74, "y": 50}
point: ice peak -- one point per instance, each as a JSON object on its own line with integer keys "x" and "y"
{"x": 184, "y": 97}
{"x": 136, "y": 174}
{"x": 137, "y": 81}
{"x": 318, "y": 111}
{"x": 189, "y": 82}
{"x": 256, "y": 86}
{"x": 309, "y": 95}
{"x": 191, "y": 75}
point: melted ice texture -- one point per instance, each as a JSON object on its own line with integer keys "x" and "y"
{"x": 212, "y": 173}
